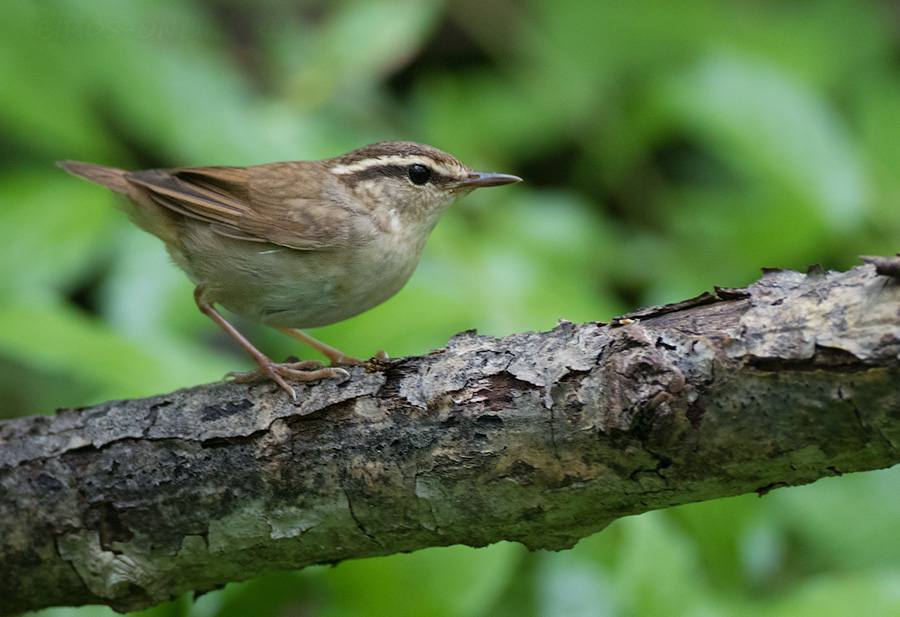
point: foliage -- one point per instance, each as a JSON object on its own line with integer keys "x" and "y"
{"x": 667, "y": 147}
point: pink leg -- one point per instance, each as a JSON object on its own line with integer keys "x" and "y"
{"x": 335, "y": 356}
{"x": 299, "y": 371}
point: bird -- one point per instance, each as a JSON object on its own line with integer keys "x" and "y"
{"x": 300, "y": 244}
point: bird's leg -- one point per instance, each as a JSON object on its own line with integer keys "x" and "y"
{"x": 335, "y": 356}
{"x": 299, "y": 371}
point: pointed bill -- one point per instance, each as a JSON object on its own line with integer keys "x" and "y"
{"x": 478, "y": 179}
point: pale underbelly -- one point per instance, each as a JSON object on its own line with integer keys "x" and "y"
{"x": 289, "y": 288}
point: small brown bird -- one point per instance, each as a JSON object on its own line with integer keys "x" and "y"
{"x": 298, "y": 244}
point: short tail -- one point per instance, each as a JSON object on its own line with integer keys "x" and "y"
{"x": 109, "y": 177}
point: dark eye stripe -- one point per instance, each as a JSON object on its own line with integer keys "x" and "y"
{"x": 396, "y": 171}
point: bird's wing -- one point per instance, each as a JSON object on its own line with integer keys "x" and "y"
{"x": 256, "y": 204}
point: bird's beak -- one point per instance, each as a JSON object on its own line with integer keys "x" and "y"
{"x": 478, "y": 179}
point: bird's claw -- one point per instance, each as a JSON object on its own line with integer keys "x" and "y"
{"x": 306, "y": 370}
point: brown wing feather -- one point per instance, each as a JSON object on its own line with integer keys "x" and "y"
{"x": 264, "y": 203}
{"x": 168, "y": 189}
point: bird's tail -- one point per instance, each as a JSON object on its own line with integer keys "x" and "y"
{"x": 109, "y": 177}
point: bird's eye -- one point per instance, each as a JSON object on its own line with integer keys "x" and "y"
{"x": 418, "y": 174}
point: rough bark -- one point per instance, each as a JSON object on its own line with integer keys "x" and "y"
{"x": 540, "y": 438}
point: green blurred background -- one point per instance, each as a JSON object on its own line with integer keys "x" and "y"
{"x": 666, "y": 146}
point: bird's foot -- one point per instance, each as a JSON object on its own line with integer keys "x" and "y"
{"x": 306, "y": 370}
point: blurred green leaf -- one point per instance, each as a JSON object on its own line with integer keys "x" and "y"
{"x": 60, "y": 340}
{"x": 52, "y": 230}
{"x": 837, "y": 596}
{"x": 790, "y": 136}
{"x": 455, "y": 581}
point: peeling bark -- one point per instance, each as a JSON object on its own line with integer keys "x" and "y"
{"x": 539, "y": 438}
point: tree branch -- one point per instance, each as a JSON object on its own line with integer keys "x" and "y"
{"x": 539, "y": 438}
